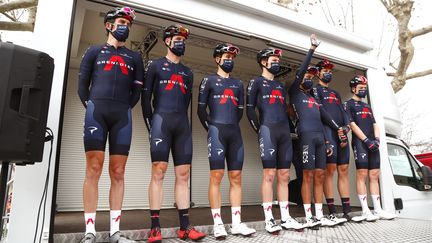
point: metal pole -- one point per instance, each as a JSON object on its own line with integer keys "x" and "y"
{"x": 3, "y": 192}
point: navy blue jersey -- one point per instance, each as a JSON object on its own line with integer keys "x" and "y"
{"x": 269, "y": 96}
{"x": 224, "y": 97}
{"x": 361, "y": 114}
{"x": 332, "y": 102}
{"x": 110, "y": 73}
{"x": 309, "y": 111}
{"x": 170, "y": 85}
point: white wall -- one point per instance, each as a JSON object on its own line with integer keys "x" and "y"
{"x": 50, "y": 35}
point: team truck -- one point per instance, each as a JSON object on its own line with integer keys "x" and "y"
{"x": 425, "y": 158}
{"x": 65, "y": 29}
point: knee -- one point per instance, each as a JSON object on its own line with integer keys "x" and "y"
{"x": 330, "y": 170}
{"x": 308, "y": 176}
{"x": 117, "y": 174}
{"x": 343, "y": 171}
{"x": 283, "y": 177}
{"x": 235, "y": 178}
{"x": 183, "y": 175}
{"x": 361, "y": 175}
{"x": 158, "y": 174}
{"x": 374, "y": 176}
{"x": 94, "y": 170}
{"x": 269, "y": 176}
{"x": 319, "y": 175}
{"x": 216, "y": 177}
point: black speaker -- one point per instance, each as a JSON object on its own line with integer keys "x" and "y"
{"x": 25, "y": 89}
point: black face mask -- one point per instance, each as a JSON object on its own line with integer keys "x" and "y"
{"x": 227, "y": 65}
{"x": 179, "y": 48}
{"x": 274, "y": 68}
{"x": 362, "y": 93}
{"x": 121, "y": 33}
{"x": 307, "y": 84}
{"x": 327, "y": 77}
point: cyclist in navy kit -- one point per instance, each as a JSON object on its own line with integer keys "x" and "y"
{"x": 110, "y": 82}
{"x": 224, "y": 97}
{"x": 313, "y": 144}
{"x": 274, "y": 136}
{"x": 365, "y": 143}
{"x": 331, "y": 101}
{"x": 165, "y": 102}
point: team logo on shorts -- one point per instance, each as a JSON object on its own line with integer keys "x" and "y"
{"x": 92, "y": 130}
{"x": 219, "y": 151}
{"x": 261, "y": 144}
{"x": 157, "y": 141}
{"x": 271, "y": 151}
{"x": 305, "y": 154}
{"x": 209, "y": 147}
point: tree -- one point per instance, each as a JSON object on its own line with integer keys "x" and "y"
{"x": 15, "y": 10}
{"x": 401, "y": 10}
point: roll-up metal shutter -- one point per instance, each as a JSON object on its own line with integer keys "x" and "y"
{"x": 72, "y": 161}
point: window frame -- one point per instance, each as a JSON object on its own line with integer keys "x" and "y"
{"x": 415, "y": 180}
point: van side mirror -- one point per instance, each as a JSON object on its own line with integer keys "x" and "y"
{"x": 427, "y": 177}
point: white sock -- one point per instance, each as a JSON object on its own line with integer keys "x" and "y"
{"x": 217, "y": 218}
{"x": 318, "y": 211}
{"x": 90, "y": 219}
{"x": 284, "y": 209}
{"x": 364, "y": 203}
{"x": 377, "y": 203}
{"x": 115, "y": 221}
{"x": 236, "y": 215}
{"x": 308, "y": 211}
{"x": 267, "y": 206}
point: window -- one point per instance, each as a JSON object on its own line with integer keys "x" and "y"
{"x": 405, "y": 169}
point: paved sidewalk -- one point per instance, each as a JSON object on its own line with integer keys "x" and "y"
{"x": 398, "y": 230}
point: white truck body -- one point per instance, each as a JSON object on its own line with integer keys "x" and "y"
{"x": 64, "y": 29}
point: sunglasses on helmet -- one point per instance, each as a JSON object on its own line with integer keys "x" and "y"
{"x": 180, "y": 30}
{"x": 126, "y": 10}
{"x": 231, "y": 49}
{"x": 277, "y": 52}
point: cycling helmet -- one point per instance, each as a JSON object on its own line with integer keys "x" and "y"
{"x": 124, "y": 12}
{"x": 226, "y": 48}
{"x": 312, "y": 70}
{"x": 324, "y": 64}
{"x": 358, "y": 79}
{"x": 174, "y": 30}
{"x": 267, "y": 52}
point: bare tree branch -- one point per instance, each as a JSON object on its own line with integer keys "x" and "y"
{"x": 421, "y": 31}
{"x": 18, "y": 4}
{"x": 401, "y": 11}
{"x": 9, "y": 16}
{"x": 391, "y": 74}
{"x": 325, "y": 13}
{"x": 419, "y": 74}
{"x": 14, "y": 26}
{"x": 331, "y": 17}
{"x": 352, "y": 15}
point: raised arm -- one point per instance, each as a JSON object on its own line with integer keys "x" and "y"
{"x": 302, "y": 70}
